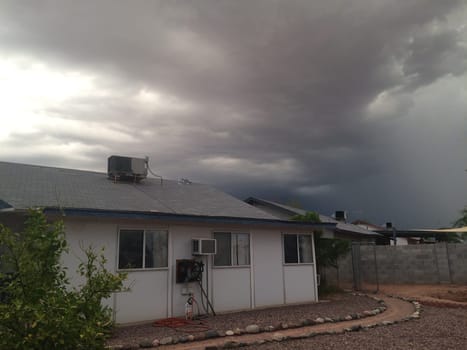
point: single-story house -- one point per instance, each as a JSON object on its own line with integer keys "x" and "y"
{"x": 148, "y": 226}
{"x": 341, "y": 228}
{"x": 389, "y": 234}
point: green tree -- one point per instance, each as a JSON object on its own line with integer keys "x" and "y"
{"x": 328, "y": 251}
{"x": 462, "y": 222}
{"x": 40, "y": 309}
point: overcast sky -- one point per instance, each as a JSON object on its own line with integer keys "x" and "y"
{"x": 331, "y": 105}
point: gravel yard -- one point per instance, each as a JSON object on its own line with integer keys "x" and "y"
{"x": 338, "y": 306}
{"x": 438, "y": 328}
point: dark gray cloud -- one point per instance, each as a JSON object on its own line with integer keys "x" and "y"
{"x": 332, "y": 105}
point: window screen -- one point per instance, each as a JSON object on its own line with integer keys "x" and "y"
{"x": 224, "y": 249}
{"x": 241, "y": 248}
{"x": 305, "y": 249}
{"x": 290, "y": 249}
{"x": 232, "y": 249}
{"x": 130, "y": 249}
{"x": 156, "y": 249}
{"x": 139, "y": 249}
{"x": 298, "y": 249}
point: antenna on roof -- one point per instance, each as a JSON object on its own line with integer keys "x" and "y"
{"x": 149, "y": 169}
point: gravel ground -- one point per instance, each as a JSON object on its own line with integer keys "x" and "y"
{"x": 438, "y": 328}
{"x": 338, "y": 306}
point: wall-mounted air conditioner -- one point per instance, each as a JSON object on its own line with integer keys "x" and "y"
{"x": 203, "y": 246}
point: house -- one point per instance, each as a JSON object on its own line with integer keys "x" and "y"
{"x": 148, "y": 227}
{"x": 390, "y": 236}
{"x": 341, "y": 229}
{"x": 367, "y": 225}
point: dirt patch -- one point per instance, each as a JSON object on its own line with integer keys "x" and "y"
{"x": 440, "y": 295}
{"x": 454, "y": 295}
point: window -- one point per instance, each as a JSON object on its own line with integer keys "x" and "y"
{"x": 298, "y": 249}
{"x": 233, "y": 249}
{"x": 142, "y": 249}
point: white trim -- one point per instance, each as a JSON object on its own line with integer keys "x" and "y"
{"x": 144, "y": 269}
{"x": 297, "y": 264}
{"x": 144, "y": 249}
{"x": 315, "y": 277}
{"x": 252, "y": 274}
{"x": 114, "y": 295}
{"x": 170, "y": 274}
{"x": 231, "y": 267}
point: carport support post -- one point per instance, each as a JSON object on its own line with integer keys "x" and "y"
{"x": 376, "y": 267}
{"x": 356, "y": 265}
{"x": 449, "y": 262}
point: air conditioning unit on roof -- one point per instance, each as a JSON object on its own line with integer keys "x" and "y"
{"x": 126, "y": 168}
{"x": 203, "y": 246}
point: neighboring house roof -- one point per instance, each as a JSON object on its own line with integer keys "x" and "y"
{"x": 368, "y": 225}
{"x": 4, "y": 206}
{"x": 283, "y": 210}
{"x": 422, "y": 232}
{"x": 92, "y": 193}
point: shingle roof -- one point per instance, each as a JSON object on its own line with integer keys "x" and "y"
{"x": 340, "y": 226}
{"x": 25, "y": 186}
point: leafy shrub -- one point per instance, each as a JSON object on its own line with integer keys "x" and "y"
{"x": 328, "y": 251}
{"x": 40, "y": 309}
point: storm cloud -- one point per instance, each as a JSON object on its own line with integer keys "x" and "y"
{"x": 329, "y": 104}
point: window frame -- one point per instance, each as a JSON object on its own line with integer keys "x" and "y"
{"x": 232, "y": 249}
{"x": 143, "y": 268}
{"x": 311, "y": 235}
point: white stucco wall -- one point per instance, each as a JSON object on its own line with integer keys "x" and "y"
{"x": 180, "y": 248}
{"x": 299, "y": 283}
{"x": 400, "y": 241}
{"x": 268, "y": 272}
{"x": 231, "y": 288}
{"x": 83, "y": 233}
{"x": 155, "y": 294}
{"x": 147, "y": 299}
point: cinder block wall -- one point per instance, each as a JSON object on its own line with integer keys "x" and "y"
{"x": 410, "y": 264}
{"x": 458, "y": 262}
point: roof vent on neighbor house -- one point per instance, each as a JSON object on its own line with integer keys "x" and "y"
{"x": 340, "y": 215}
{"x": 127, "y": 169}
{"x": 389, "y": 225}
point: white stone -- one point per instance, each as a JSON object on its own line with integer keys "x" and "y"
{"x": 165, "y": 341}
{"x": 252, "y": 328}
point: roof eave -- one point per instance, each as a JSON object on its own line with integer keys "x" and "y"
{"x": 251, "y": 200}
{"x": 187, "y": 218}
{"x": 360, "y": 234}
{"x": 5, "y": 207}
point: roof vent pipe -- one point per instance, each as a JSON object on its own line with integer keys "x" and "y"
{"x": 389, "y": 225}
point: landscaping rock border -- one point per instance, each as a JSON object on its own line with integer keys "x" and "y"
{"x": 278, "y": 337}
{"x": 254, "y": 329}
